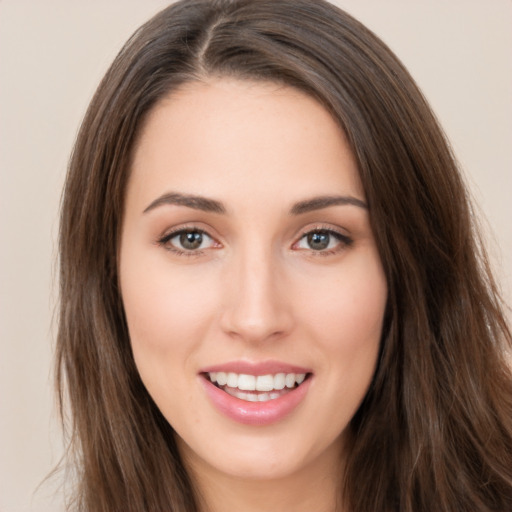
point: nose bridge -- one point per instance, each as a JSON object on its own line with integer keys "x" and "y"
{"x": 256, "y": 309}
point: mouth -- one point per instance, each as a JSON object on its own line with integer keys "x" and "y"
{"x": 256, "y": 388}
{"x": 256, "y": 394}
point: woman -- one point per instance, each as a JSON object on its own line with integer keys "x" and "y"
{"x": 272, "y": 294}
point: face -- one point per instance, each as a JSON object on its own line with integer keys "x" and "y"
{"x": 253, "y": 290}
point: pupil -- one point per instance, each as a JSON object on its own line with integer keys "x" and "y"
{"x": 318, "y": 241}
{"x": 191, "y": 240}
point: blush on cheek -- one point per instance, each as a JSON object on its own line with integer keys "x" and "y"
{"x": 350, "y": 313}
{"x": 155, "y": 309}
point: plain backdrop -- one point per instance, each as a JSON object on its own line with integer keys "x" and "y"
{"x": 53, "y": 54}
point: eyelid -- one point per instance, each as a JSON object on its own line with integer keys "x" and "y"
{"x": 343, "y": 239}
{"x": 164, "y": 240}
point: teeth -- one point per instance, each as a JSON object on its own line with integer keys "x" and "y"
{"x": 252, "y": 397}
{"x": 245, "y": 382}
{"x": 279, "y": 381}
{"x": 232, "y": 380}
{"x": 222, "y": 378}
{"x": 263, "y": 383}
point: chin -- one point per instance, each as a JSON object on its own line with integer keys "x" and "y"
{"x": 262, "y": 458}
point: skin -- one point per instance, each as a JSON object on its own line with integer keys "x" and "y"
{"x": 255, "y": 290}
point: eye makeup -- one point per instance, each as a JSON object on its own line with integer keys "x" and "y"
{"x": 191, "y": 240}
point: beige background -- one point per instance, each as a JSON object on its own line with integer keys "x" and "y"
{"x": 52, "y": 55}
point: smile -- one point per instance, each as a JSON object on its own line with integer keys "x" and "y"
{"x": 256, "y": 388}
{"x": 256, "y": 394}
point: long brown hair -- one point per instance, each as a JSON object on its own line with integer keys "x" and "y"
{"x": 435, "y": 429}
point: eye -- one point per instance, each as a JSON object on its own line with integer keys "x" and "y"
{"x": 187, "y": 240}
{"x": 323, "y": 240}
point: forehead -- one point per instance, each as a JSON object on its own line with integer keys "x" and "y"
{"x": 226, "y": 137}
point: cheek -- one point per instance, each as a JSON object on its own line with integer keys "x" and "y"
{"x": 168, "y": 313}
{"x": 168, "y": 317}
{"x": 348, "y": 305}
{"x": 345, "y": 316}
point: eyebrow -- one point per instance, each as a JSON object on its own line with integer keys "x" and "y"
{"x": 211, "y": 205}
{"x": 317, "y": 203}
{"x": 190, "y": 201}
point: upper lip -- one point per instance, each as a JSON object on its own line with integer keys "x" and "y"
{"x": 271, "y": 367}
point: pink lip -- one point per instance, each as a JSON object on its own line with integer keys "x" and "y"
{"x": 250, "y": 368}
{"x": 255, "y": 413}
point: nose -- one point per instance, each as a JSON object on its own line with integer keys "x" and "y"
{"x": 257, "y": 305}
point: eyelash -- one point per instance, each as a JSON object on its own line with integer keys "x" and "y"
{"x": 164, "y": 241}
{"x": 344, "y": 241}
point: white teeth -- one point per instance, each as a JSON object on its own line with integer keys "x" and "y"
{"x": 289, "y": 380}
{"x": 232, "y": 380}
{"x": 245, "y": 382}
{"x": 222, "y": 378}
{"x": 279, "y": 381}
{"x": 263, "y": 383}
{"x": 252, "y": 397}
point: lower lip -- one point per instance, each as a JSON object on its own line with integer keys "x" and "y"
{"x": 256, "y": 413}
